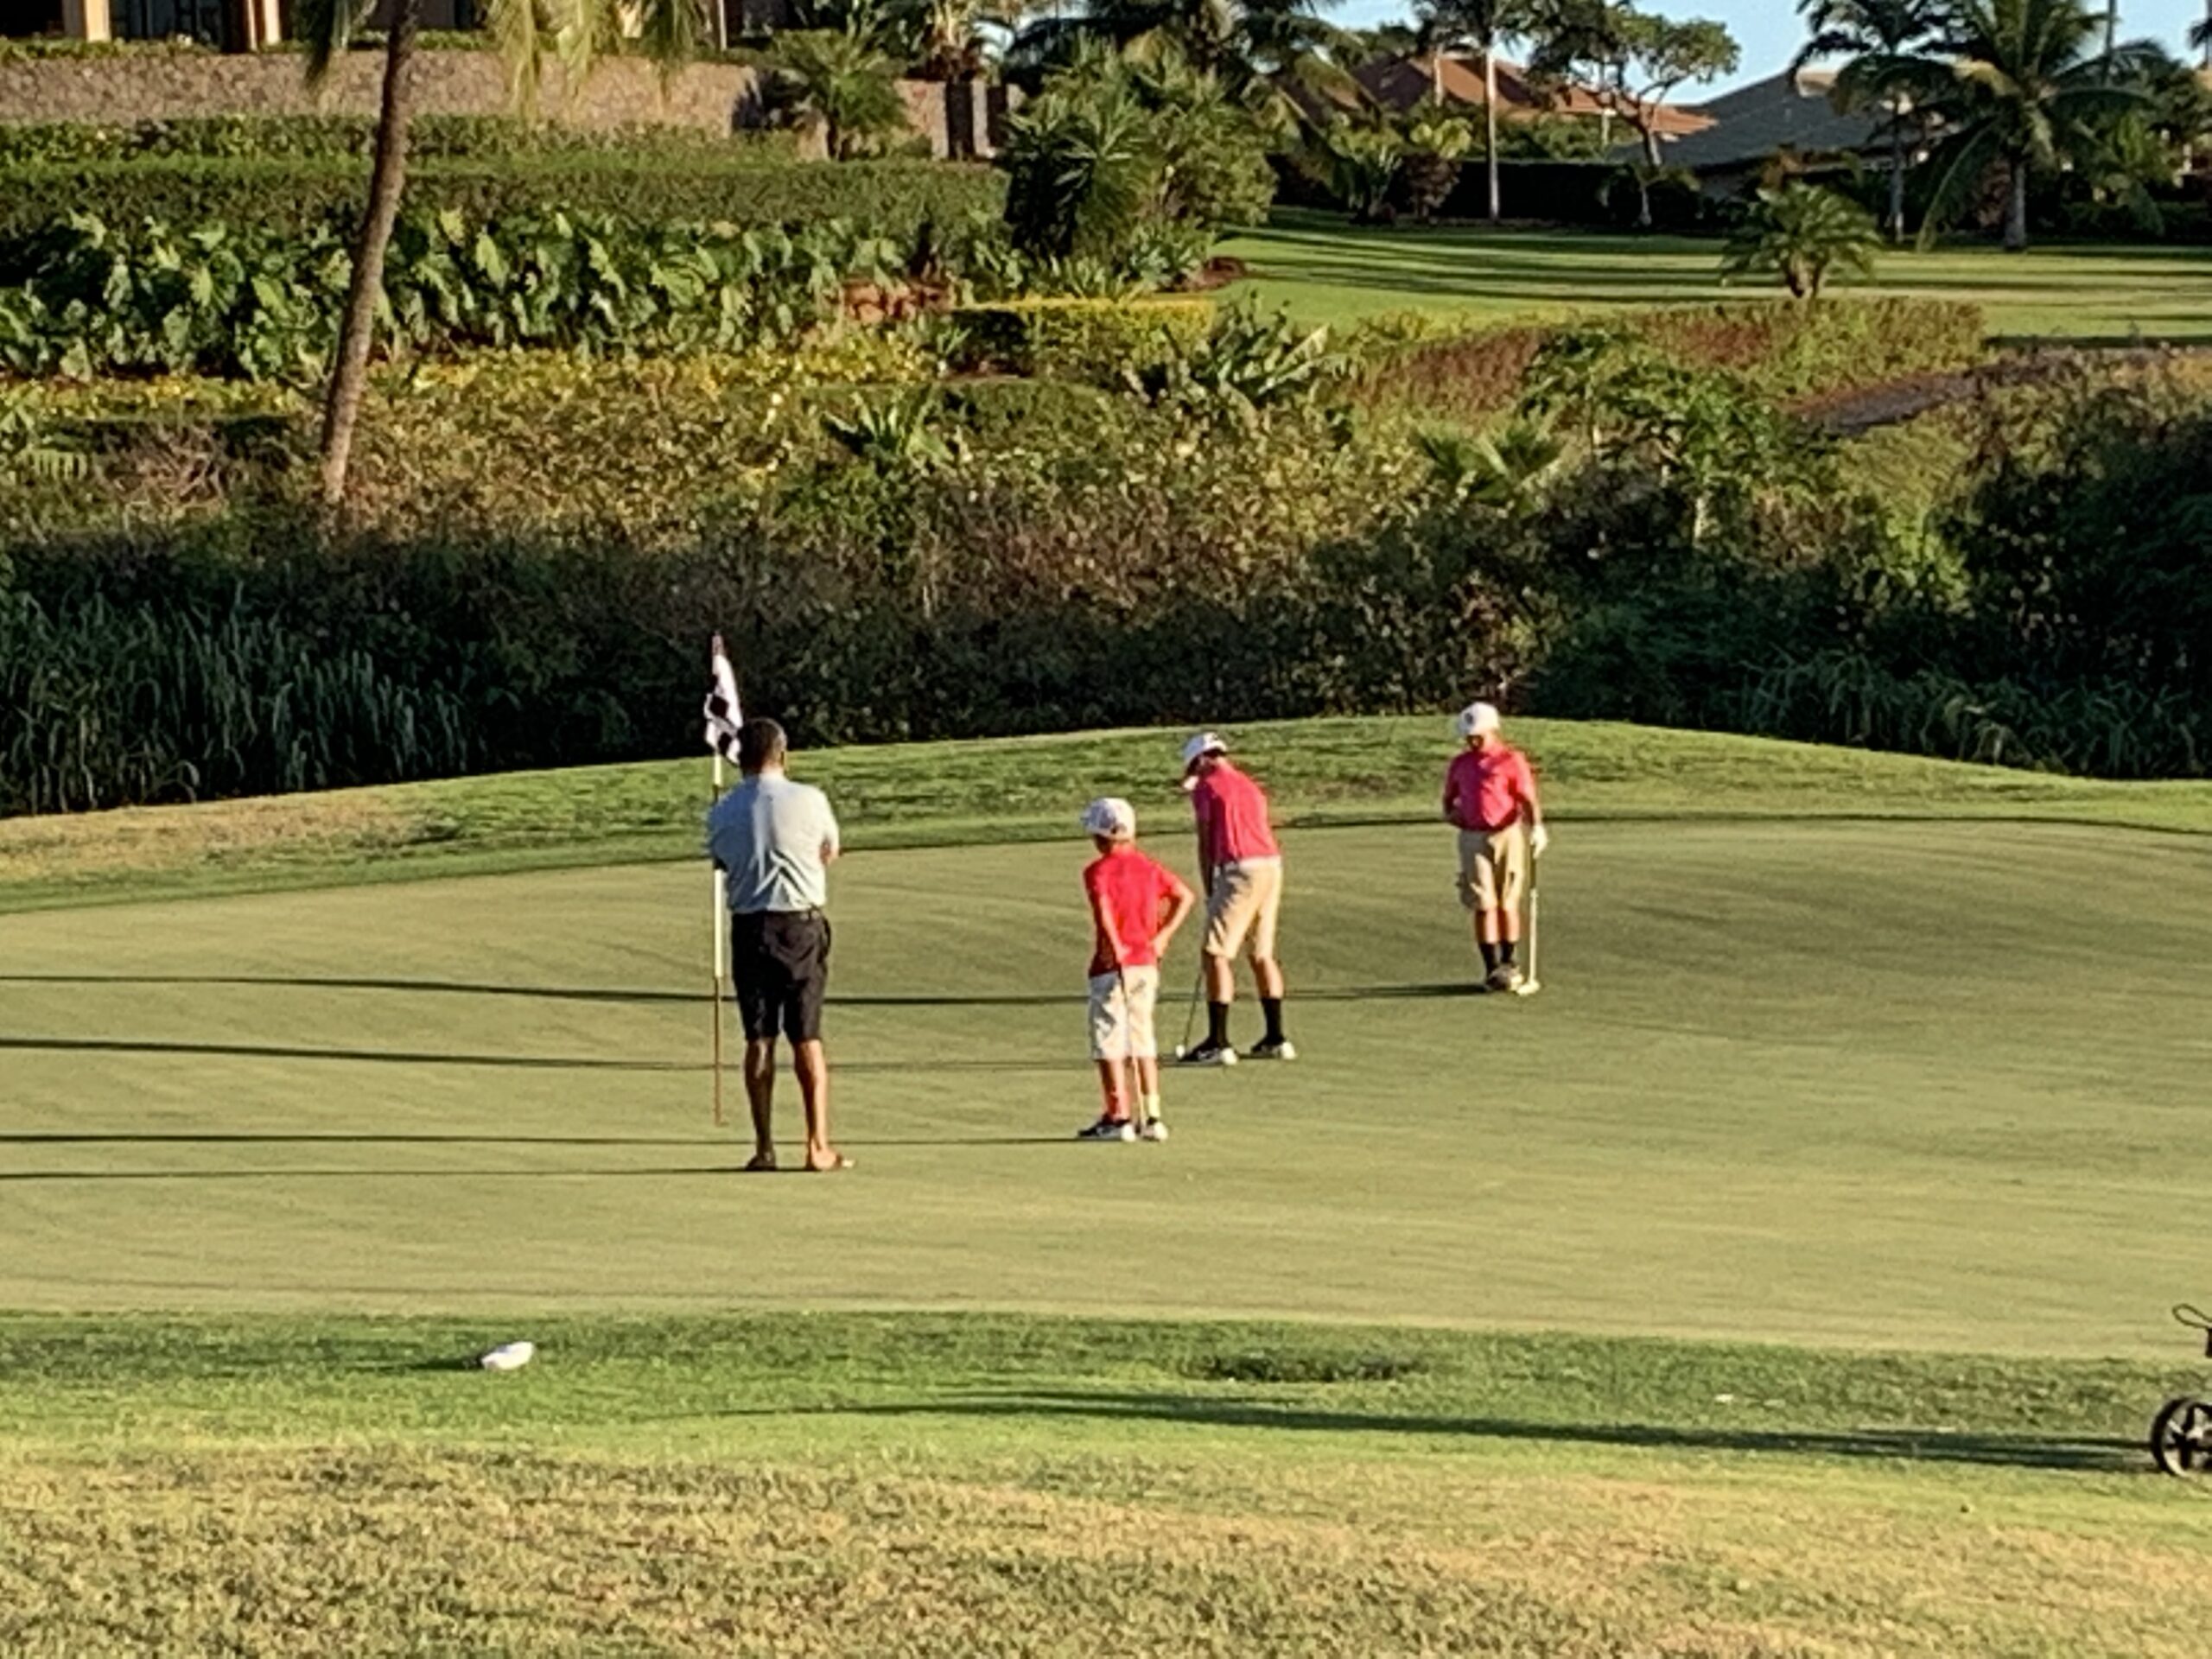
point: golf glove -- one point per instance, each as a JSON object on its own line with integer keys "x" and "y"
{"x": 1539, "y": 838}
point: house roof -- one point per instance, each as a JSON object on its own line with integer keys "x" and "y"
{"x": 1789, "y": 110}
{"x": 1403, "y": 82}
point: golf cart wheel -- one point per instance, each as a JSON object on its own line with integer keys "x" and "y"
{"x": 2181, "y": 1436}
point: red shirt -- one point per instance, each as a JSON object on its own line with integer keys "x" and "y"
{"x": 1132, "y": 892}
{"x": 1232, "y": 814}
{"x": 1488, "y": 789}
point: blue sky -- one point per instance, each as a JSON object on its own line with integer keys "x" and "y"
{"x": 1768, "y": 30}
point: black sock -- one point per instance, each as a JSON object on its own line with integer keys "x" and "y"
{"x": 1505, "y": 951}
{"x": 1218, "y": 1024}
{"x": 1490, "y": 957}
{"x": 1271, "y": 1009}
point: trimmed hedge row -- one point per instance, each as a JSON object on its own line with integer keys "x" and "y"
{"x": 344, "y": 138}
{"x": 895, "y": 199}
{"x": 1781, "y": 349}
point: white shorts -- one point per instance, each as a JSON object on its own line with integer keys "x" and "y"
{"x": 1121, "y": 1028}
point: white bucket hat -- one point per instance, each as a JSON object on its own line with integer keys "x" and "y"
{"x": 1477, "y": 718}
{"x": 1111, "y": 816}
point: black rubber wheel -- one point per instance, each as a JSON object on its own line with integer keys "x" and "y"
{"x": 2181, "y": 1436}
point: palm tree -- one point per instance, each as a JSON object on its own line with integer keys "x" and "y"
{"x": 1484, "y": 25}
{"x": 2016, "y": 84}
{"x": 1875, "y": 35}
{"x": 2201, "y": 36}
{"x": 1804, "y": 235}
{"x": 578, "y": 32}
{"x": 840, "y": 83}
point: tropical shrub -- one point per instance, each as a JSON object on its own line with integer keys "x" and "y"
{"x": 1110, "y": 152}
{"x": 259, "y": 306}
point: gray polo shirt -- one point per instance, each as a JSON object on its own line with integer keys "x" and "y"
{"x": 772, "y": 836}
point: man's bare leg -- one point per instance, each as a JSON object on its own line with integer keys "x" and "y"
{"x": 1220, "y": 978}
{"x": 811, "y": 1066}
{"x": 1267, "y": 976}
{"x": 760, "y": 1094}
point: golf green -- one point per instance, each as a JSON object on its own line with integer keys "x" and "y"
{"x": 1931, "y": 1084}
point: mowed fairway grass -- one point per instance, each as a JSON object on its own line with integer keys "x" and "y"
{"x": 1789, "y": 1277}
{"x": 1325, "y": 271}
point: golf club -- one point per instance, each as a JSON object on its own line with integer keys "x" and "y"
{"x": 1530, "y": 985}
{"x": 1191, "y": 1013}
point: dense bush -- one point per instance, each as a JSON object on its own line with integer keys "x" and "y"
{"x": 897, "y": 555}
{"x": 263, "y": 306}
{"x": 1100, "y": 342}
{"x": 894, "y": 200}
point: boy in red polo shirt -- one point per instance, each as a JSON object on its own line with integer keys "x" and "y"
{"x": 1242, "y": 866}
{"x": 1136, "y": 905}
{"x": 1490, "y": 793}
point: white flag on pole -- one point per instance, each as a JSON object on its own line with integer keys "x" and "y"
{"x": 724, "y": 716}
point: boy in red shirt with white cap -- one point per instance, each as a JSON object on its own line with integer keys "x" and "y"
{"x": 1490, "y": 793}
{"x": 1136, "y": 905}
{"x": 1241, "y": 867}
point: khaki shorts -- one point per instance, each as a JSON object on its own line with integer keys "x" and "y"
{"x": 1120, "y": 1026}
{"x": 1246, "y": 899}
{"x": 1493, "y": 868}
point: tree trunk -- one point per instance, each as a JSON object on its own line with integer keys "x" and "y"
{"x": 1644, "y": 178}
{"x": 1489, "y": 127}
{"x": 2016, "y": 215}
{"x": 387, "y": 177}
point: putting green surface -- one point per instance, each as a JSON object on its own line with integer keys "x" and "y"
{"x": 1933, "y": 1084}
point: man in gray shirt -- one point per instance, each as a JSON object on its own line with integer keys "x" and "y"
{"x": 772, "y": 839}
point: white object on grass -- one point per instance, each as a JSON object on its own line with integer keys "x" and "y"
{"x": 509, "y": 1356}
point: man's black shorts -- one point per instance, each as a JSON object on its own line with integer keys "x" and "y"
{"x": 781, "y": 960}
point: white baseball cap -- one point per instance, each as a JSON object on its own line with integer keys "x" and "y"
{"x": 1477, "y": 718}
{"x": 1111, "y": 816}
{"x": 1204, "y": 744}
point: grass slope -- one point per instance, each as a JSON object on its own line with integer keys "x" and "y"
{"x": 917, "y": 1485}
{"x": 1327, "y": 271}
{"x": 1321, "y": 772}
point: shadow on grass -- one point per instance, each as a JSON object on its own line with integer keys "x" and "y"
{"x": 524, "y": 1062}
{"x": 2070, "y": 1454}
{"x": 678, "y": 999}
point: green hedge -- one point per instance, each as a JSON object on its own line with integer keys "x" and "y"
{"x": 352, "y": 138}
{"x": 1099, "y": 342}
{"x": 891, "y": 199}
{"x": 1780, "y": 348}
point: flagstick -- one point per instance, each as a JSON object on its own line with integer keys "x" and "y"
{"x": 721, "y": 955}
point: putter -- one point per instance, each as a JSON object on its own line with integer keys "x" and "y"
{"x": 1191, "y": 1013}
{"x": 1530, "y": 985}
